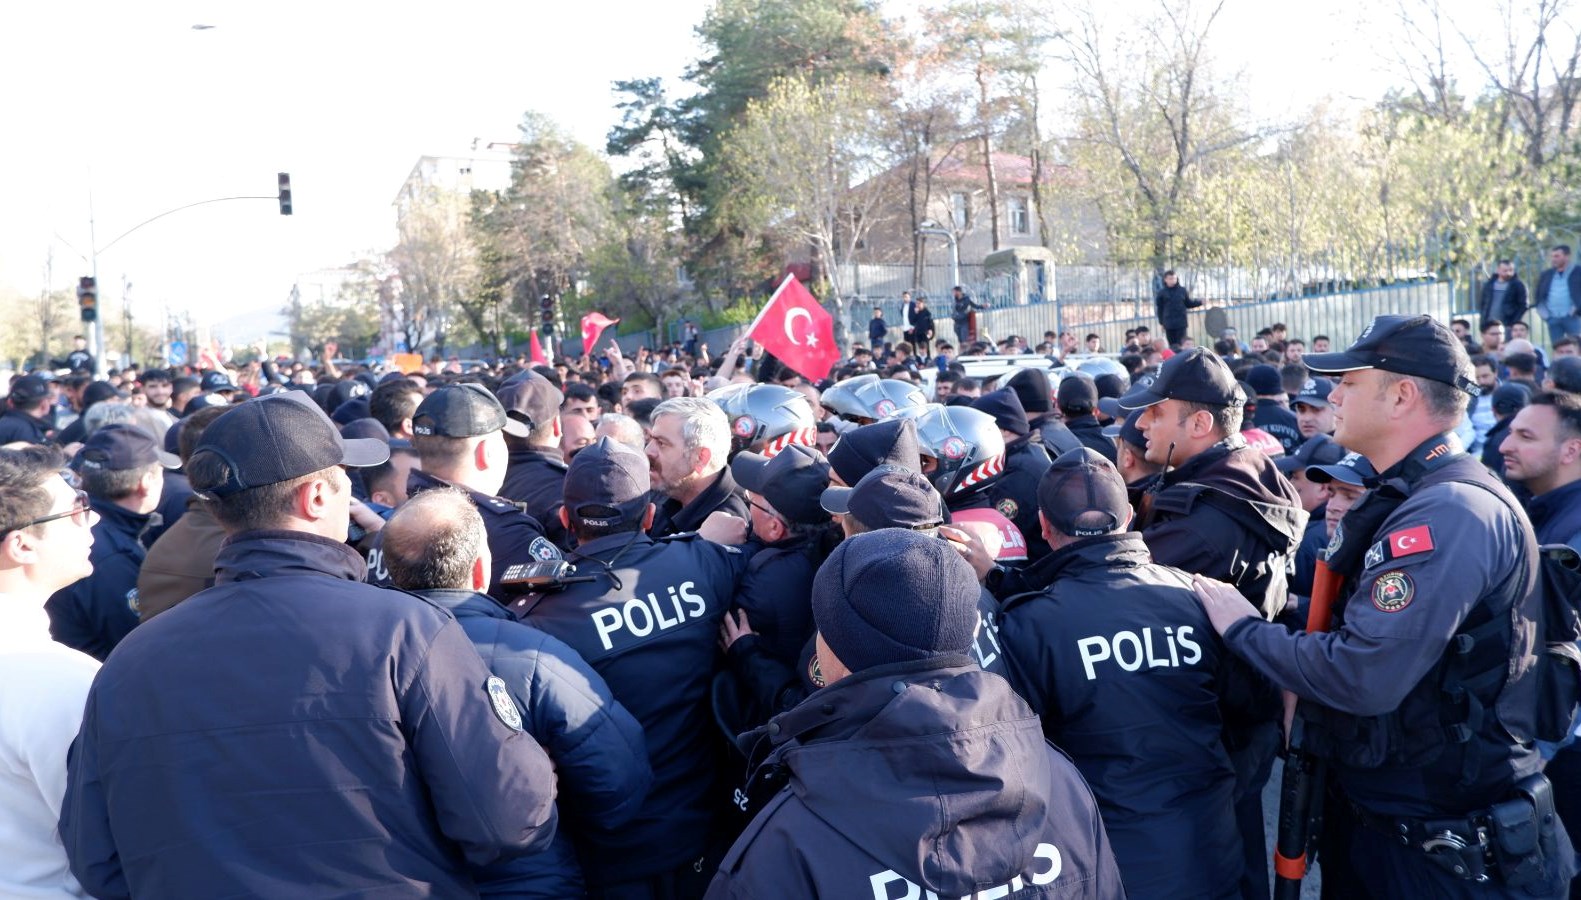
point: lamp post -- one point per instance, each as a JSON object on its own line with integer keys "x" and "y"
{"x": 931, "y": 227}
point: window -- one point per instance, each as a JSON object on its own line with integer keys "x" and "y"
{"x": 958, "y": 210}
{"x": 1020, "y": 222}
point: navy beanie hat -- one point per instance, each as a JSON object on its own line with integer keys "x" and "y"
{"x": 895, "y": 595}
{"x": 1006, "y": 409}
{"x": 863, "y": 449}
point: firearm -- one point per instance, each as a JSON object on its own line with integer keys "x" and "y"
{"x": 1301, "y": 792}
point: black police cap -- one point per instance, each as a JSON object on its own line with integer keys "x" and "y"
{"x": 1419, "y": 346}
{"x": 459, "y": 411}
{"x": 277, "y": 438}
{"x": 1195, "y": 376}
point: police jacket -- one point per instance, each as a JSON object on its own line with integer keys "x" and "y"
{"x": 173, "y": 502}
{"x": 723, "y": 495}
{"x": 292, "y": 731}
{"x": 926, "y": 776}
{"x": 16, "y": 425}
{"x": 1123, "y": 666}
{"x": 1313, "y": 541}
{"x": 1423, "y": 695}
{"x": 535, "y": 477}
{"x": 1015, "y": 493}
{"x": 649, "y": 624}
{"x": 777, "y": 593}
{"x": 1510, "y": 310}
{"x": 597, "y": 747}
{"x": 1277, "y": 419}
{"x": 1557, "y": 515}
{"x": 1089, "y": 431}
{"x": 1056, "y": 437}
{"x": 1228, "y": 514}
{"x": 96, "y": 612}
{"x": 1171, "y": 304}
{"x": 180, "y": 563}
{"x": 514, "y": 537}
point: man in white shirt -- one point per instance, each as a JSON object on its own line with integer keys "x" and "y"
{"x": 45, "y": 533}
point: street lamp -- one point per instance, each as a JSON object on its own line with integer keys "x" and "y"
{"x": 931, "y": 227}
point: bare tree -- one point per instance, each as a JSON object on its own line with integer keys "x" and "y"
{"x": 1533, "y": 69}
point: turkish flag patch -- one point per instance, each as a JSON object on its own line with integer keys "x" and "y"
{"x": 1409, "y": 541}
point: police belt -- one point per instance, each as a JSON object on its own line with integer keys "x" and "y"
{"x": 1508, "y": 841}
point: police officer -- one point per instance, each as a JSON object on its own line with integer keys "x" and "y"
{"x": 1014, "y": 494}
{"x": 1077, "y": 398}
{"x": 535, "y": 473}
{"x": 458, "y": 435}
{"x": 893, "y": 773}
{"x": 1117, "y": 658}
{"x": 790, "y": 535}
{"x": 860, "y": 450}
{"x": 122, "y": 470}
{"x": 647, "y": 622}
{"x": 435, "y": 547}
{"x": 1037, "y": 398}
{"x": 1272, "y": 414}
{"x": 28, "y": 416}
{"x": 1422, "y": 698}
{"x": 1220, "y": 508}
{"x": 1318, "y": 450}
{"x": 292, "y": 730}
{"x": 1314, "y": 415}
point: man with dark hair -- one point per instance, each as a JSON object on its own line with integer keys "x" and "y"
{"x": 1566, "y": 346}
{"x": 28, "y": 417}
{"x": 641, "y": 386}
{"x": 1171, "y": 303}
{"x": 1543, "y": 452}
{"x": 1522, "y": 369}
{"x": 582, "y": 399}
{"x": 1503, "y": 296}
{"x": 182, "y": 391}
{"x": 1146, "y": 737}
{"x": 1422, "y": 712}
{"x": 1130, "y": 446}
{"x": 393, "y": 404}
{"x": 1507, "y": 400}
{"x": 181, "y": 562}
{"x": 122, "y": 471}
{"x": 648, "y": 622}
{"x": 892, "y": 769}
{"x": 435, "y": 547}
{"x": 44, "y": 546}
{"x": 332, "y": 737}
{"x": 1558, "y": 296}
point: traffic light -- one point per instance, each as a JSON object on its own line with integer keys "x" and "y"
{"x": 87, "y": 298}
{"x": 285, "y": 194}
{"x": 546, "y": 313}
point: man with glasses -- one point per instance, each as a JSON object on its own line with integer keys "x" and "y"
{"x": 44, "y": 545}
{"x": 122, "y": 469}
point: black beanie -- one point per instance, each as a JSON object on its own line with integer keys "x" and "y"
{"x": 1006, "y": 409}
{"x": 1032, "y": 388}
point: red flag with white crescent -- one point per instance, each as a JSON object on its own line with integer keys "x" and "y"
{"x": 797, "y": 330}
{"x": 593, "y": 325}
{"x": 536, "y": 350}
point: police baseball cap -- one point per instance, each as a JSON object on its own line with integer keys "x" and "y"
{"x": 204, "y": 401}
{"x": 121, "y": 447}
{"x": 1565, "y": 373}
{"x": 1128, "y": 431}
{"x": 895, "y": 595}
{"x": 860, "y": 450}
{"x": 365, "y": 428}
{"x": 530, "y": 400}
{"x": 28, "y": 390}
{"x": 1109, "y": 405}
{"x": 1082, "y": 494}
{"x": 1317, "y": 450}
{"x": 889, "y": 497}
{"x": 791, "y": 481}
{"x": 1077, "y": 394}
{"x": 459, "y": 411}
{"x": 1196, "y": 376}
{"x": 1419, "y": 346}
{"x": 1352, "y": 469}
{"x": 1314, "y": 392}
{"x": 344, "y": 392}
{"x": 606, "y": 484}
{"x": 277, "y": 438}
{"x": 216, "y": 381}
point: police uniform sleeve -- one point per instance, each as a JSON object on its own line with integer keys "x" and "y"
{"x": 491, "y": 784}
{"x": 598, "y": 748}
{"x": 85, "y": 816}
{"x": 1029, "y": 667}
{"x": 1423, "y": 575}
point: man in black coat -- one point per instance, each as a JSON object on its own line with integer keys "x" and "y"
{"x": 435, "y": 547}
{"x": 1116, "y": 656}
{"x": 893, "y": 780}
{"x": 535, "y": 474}
{"x": 1171, "y": 303}
{"x": 1503, "y": 297}
{"x": 790, "y": 534}
{"x": 27, "y": 418}
{"x": 920, "y": 334}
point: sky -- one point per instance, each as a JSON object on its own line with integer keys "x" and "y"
{"x": 131, "y": 104}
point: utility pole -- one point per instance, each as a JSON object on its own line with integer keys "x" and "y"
{"x": 126, "y": 313}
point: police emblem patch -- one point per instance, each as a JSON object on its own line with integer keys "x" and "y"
{"x": 1374, "y": 555}
{"x": 1007, "y": 508}
{"x": 815, "y": 672}
{"x": 542, "y": 549}
{"x": 744, "y": 426}
{"x": 884, "y": 408}
{"x": 132, "y": 601}
{"x": 1337, "y": 539}
{"x": 953, "y": 448}
{"x": 504, "y": 706}
{"x": 1393, "y": 591}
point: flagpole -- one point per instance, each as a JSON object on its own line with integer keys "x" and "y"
{"x": 772, "y": 297}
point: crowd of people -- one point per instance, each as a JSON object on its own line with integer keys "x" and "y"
{"x": 676, "y": 626}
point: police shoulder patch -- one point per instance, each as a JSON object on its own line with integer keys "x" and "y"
{"x": 504, "y": 706}
{"x": 542, "y": 549}
{"x": 1007, "y": 508}
{"x": 1392, "y": 591}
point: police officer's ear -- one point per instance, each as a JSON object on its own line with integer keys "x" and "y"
{"x": 480, "y": 573}
{"x": 565, "y": 519}
{"x": 647, "y": 517}
{"x": 1045, "y": 530}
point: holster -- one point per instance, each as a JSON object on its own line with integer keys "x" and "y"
{"x": 1522, "y": 831}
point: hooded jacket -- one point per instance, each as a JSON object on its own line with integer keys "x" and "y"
{"x": 925, "y": 776}
{"x": 293, "y": 731}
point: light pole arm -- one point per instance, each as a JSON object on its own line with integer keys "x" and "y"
{"x": 167, "y": 212}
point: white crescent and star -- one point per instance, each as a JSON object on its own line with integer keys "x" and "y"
{"x": 812, "y": 339}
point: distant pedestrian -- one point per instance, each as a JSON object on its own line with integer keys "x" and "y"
{"x": 1171, "y": 303}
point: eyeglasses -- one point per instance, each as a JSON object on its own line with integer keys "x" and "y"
{"x": 80, "y": 513}
{"x": 765, "y": 510}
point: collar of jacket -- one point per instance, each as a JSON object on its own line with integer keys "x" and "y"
{"x": 1429, "y": 455}
{"x": 844, "y": 706}
{"x": 420, "y": 481}
{"x": 1554, "y": 503}
{"x": 704, "y": 503}
{"x": 463, "y": 602}
{"x": 121, "y": 520}
{"x": 604, "y": 548}
{"x": 1207, "y": 459}
{"x": 541, "y": 455}
{"x": 1103, "y": 551}
{"x": 273, "y": 553}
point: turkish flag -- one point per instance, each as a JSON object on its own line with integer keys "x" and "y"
{"x": 798, "y": 331}
{"x": 536, "y": 350}
{"x": 593, "y": 325}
